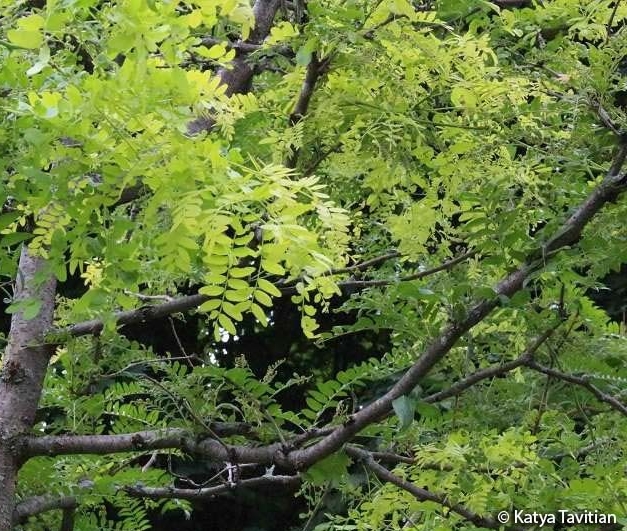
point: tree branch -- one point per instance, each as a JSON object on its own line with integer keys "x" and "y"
{"x": 582, "y": 381}
{"x": 315, "y": 69}
{"x": 159, "y": 493}
{"x": 239, "y": 73}
{"x": 351, "y": 285}
{"x": 179, "y": 438}
{"x": 248, "y": 47}
{"x": 183, "y": 304}
{"x": 139, "y": 315}
{"x": 460, "y": 386}
{"x": 366, "y": 263}
{"x": 41, "y": 504}
{"x": 570, "y": 232}
{"x": 422, "y": 494}
{"x": 52, "y": 445}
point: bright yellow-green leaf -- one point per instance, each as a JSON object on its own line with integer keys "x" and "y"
{"x": 268, "y": 287}
{"x": 259, "y": 314}
{"x": 25, "y": 38}
{"x": 272, "y": 267}
{"x": 241, "y": 272}
{"x": 236, "y": 283}
{"x": 211, "y": 290}
{"x": 227, "y": 324}
{"x": 237, "y": 295}
{"x": 232, "y": 311}
{"x": 210, "y": 305}
{"x": 215, "y": 52}
{"x": 194, "y": 19}
{"x": 32, "y": 22}
{"x": 263, "y": 298}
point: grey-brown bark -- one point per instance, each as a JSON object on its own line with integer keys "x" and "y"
{"x": 24, "y": 365}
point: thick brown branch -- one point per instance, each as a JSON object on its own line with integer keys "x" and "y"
{"x": 159, "y": 493}
{"x": 181, "y": 439}
{"x": 582, "y": 381}
{"x": 139, "y": 315}
{"x": 41, "y": 504}
{"x": 131, "y": 442}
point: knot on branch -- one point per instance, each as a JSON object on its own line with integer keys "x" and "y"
{"x": 12, "y": 373}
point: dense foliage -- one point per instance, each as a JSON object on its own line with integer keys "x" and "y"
{"x": 431, "y": 190}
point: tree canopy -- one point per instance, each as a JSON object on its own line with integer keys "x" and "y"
{"x": 337, "y": 257}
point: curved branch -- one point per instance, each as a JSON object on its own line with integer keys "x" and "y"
{"x": 490, "y": 372}
{"x": 142, "y": 441}
{"x": 315, "y": 69}
{"x": 422, "y": 494}
{"x": 139, "y": 315}
{"x": 445, "y": 266}
{"x": 582, "y": 381}
{"x": 41, "y": 504}
{"x": 51, "y": 445}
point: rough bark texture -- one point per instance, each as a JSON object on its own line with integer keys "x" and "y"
{"x": 24, "y": 365}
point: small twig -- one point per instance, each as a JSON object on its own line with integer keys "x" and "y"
{"x": 350, "y": 285}
{"x": 582, "y": 381}
{"x": 357, "y": 267}
{"x": 366, "y": 263}
{"x": 151, "y": 461}
{"x": 369, "y": 33}
{"x": 581, "y": 452}
{"x": 604, "y": 116}
{"x": 542, "y": 406}
{"x": 178, "y": 342}
{"x": 390, "y": 457}
{"x": 146, "y": 362}
{"x": 189, "y": 481}
{"x": 313, "y": 166}
{"x": 449, "y": 264}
